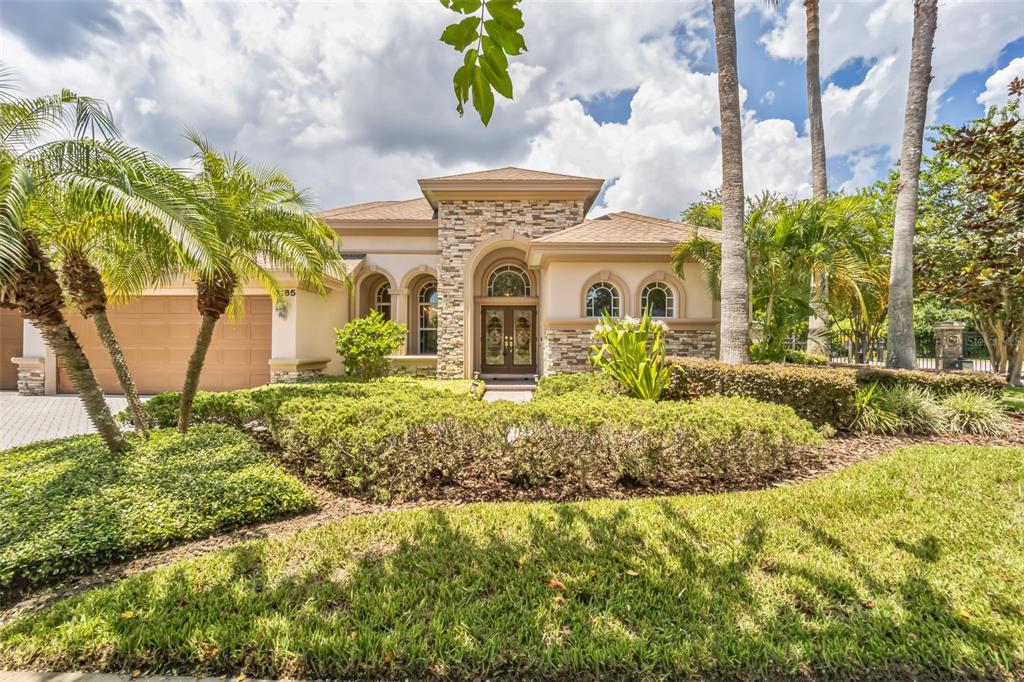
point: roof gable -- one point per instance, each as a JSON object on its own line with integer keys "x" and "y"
{"x": 509, "y": 173}
{"x": 410, "y": 209}
{"x": 628, "y": 228}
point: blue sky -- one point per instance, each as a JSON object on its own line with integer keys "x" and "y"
{"x": 353, "y": 97}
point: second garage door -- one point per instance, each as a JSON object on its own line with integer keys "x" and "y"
{"x": 157, "y": 334}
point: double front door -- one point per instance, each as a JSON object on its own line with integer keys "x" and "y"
{"x": 509, "y": 340}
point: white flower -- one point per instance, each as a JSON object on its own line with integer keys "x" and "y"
{"x": 660, "y": 324}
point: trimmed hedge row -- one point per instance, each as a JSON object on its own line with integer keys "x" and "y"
{"x": 821, "y": 395}
{"x": 401, "y": 446}
{"x": 818, "y": 394}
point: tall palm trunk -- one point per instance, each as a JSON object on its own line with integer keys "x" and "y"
{"x": 212, "y": 300}
{"x": 735, "y": 318}
{"x": 85, "y": 286}
{"x": 39, "y": 299}
{"x": 902, "y": 351}
{"x": 817, "y": 325}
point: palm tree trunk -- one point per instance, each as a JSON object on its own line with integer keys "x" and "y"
{"x": 38, "y": 297}
{"x": 902, "y": 350}
{"x": 85, "y": 287}
{"x": 195, "y": 369}
{"x": 124, "y": 375}
{"x": 735, "y": 318}
{"x": 818, "y": 322}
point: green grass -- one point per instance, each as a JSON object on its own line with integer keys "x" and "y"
{"x": 912, "y": 564}
{"x": 1014, "y": 399}
{"x": 69, "y": 505}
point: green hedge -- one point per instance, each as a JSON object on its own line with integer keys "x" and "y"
{"x": 577, "y": 382}
{"x": 401, "y": 446}
{"x": 238, "y": 408}
{"x": 820, "y": 395}
{"x": 939, "y": 384}
{"x": 69, "y": 505}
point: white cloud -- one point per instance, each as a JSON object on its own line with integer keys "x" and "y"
{"x": 996, "y": 85}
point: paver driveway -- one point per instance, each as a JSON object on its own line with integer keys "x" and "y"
{"x": 24, "y": 419}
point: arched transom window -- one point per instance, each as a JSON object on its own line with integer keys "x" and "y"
{"x": 427, "y": 304}
{"x": 603, "y": 297}
{"x": 508, "y": 280}
{"x": 659, "y": 298}
{"x": 382, "y": 300}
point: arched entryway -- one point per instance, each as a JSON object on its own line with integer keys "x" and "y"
{"x": 504, "y": 331}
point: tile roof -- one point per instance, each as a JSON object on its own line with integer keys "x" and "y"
{"x": 509, "y": 173}
{"x": 411, "y": 209}
{"x": 628, "y": 228}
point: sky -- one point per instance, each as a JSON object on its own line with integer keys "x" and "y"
{"x": 354, "y": 99}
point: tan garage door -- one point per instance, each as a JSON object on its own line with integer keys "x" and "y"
{"x": 10, "y": 347}
{"x": 157, "y": 334}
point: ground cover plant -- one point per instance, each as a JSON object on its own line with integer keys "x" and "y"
{"x": 68, "y": 505}
{"x": 913, "y": 409}
{"x": 865, "y": 573}
{"x": 1013, "y": 399}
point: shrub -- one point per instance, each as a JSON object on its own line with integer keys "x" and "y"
{"x": 632, "y": 352}
{"x": 402, "y": 446}
{"x": 366, "y": 342}
{"x": 938, "y": 383}
{"x": 971, "y": 412}
{"x": 69, "y": 505}
{"x": 899, "y": 409}
{"x": 577, "y": 382}
{"x": 794, "y": 357}
{"x": 872, "y": 416}
{"x": 819, "y": 395}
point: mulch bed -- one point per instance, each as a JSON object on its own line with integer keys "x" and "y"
{"x": 837, "y": 453}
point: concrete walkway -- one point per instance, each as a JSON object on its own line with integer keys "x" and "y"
{"x": 25, "y": 419}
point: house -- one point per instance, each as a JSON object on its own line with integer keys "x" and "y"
{"x": 495, "y": 273}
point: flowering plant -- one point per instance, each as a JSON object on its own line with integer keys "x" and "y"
{"x": 632, "y": 352}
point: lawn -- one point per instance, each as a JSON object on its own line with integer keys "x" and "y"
{"x": 69, "y": 505}
{"x": 912, "y": 564}
{"x": 1014, "y": 399}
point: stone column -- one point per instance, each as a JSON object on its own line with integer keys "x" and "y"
{"x": 949, "y": 343}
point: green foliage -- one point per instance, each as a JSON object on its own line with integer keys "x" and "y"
{"x": 970, "y": 412}
{"x": 872, "y": 416}
{"x": 938, "y": 383}
{"x": 905, "y": 567}
{"x": 819, "y": 395}
{"x": 485, "y": 66}
{"x": 1014, "y": 399}
{"x": 366, "y": 342}
{"x": 410, "y": 443}
{"x": 759, "y": 353}
{"x": 69, "y": 505}
{"x": 633, "y": 353}
{"x": 577, "y": 382}
{"x": 261, "y": 404}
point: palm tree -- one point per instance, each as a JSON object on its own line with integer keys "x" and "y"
{"x": 28, "y": 283}
{"x": 261, "y": 223}
{"x": 817, "y": 324}
{"x": 902, "y": 349}
{"x": 103, "y": 254}
{"x": 735, "y": 318}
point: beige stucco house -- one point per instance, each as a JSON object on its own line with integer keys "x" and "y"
{"x": 496, "y": 273}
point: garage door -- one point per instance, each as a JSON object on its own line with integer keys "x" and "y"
{"x": 157, "y": 334}
{"x": 10, "y": 347}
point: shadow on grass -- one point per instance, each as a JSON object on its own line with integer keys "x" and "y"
{"x": 551, "y": 591}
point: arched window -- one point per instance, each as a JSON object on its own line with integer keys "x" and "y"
{"x": 508, "y": 280}
{"x": 382, "y": 300}
{"x": 603, "y": 297}
{"x": 660, "y": 298}
{"x": 427, "y": 304}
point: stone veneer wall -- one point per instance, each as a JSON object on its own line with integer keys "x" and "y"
{"x": 461, "y": 225}
{"x": 566, "y": 350}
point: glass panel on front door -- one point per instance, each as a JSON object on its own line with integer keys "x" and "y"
{"x": 522, "y": 338}
{"x": 494, "y": 337}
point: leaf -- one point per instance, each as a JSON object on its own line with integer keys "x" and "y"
{"x": 496, "y": 74}
{"x": 483, "y": 98}
{"x": 556, "y": 584}
{"x": 462, "y": 6}
{"x": 462, "y": 82}
{"x": 463, "y": 34}
{"x": 506, "y": 13}
{"x": 127, "y": 615}
{"x": 631, "y": 572}
{"x": 510, "y": 41}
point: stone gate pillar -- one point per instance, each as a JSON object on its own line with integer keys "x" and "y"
{"x": 949, "y": 343}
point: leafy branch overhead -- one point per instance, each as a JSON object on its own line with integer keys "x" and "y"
{"x": 488, "y": 35}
